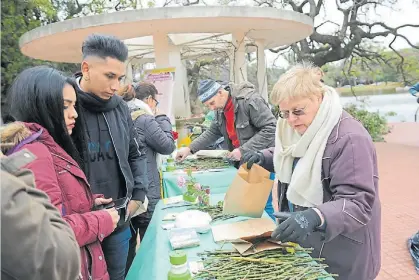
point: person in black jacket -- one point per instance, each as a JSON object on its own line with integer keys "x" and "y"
{"x": 116, "y": 161}
{"x": 155, "y": 130}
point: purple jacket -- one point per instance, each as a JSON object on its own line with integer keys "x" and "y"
{"x": 351, "y": 206}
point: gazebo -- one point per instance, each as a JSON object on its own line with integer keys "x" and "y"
{"x": 166, "y": 36}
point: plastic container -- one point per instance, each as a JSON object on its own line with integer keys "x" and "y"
{"x": 170, "y": 164}
{"x": 179, "y": 269}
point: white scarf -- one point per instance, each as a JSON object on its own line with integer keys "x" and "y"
{"x": 305, "y": 186}
{"x": 136, "y": 104}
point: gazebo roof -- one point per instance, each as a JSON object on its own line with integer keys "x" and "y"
{"x": 197, "y": 30}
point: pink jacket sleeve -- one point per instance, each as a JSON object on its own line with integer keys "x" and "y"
{"x": 98, "y": 196}
{"x": 88, "y": 227}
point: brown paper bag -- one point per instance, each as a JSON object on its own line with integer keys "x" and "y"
{"x": 239, "y": 230}
{"x": 248, "y": 237}
{"x": 253, "y": 245}
{"x": 249, "y": 192}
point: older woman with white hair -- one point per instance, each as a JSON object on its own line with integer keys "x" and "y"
{"x": 326, "y": 164}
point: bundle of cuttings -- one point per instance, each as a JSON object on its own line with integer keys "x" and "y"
{"x": 203, "y": 164}
{"x": 215, "y": 211}
{"x": 271, "y": 264}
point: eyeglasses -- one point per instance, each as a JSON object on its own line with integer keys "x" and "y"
{"x": 157, "y": 102}
{"x": 295, "y": 112}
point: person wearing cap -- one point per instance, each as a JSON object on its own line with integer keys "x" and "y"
{"x": 242, "y": 117}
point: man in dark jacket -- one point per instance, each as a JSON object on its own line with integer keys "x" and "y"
{"x": 242, "y": 117}
{"x": 116, "y": 162}
{"x": 36, "y": 243}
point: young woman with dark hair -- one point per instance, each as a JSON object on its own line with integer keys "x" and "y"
{"x": 38, "y": 96}
{"x": 44, "y": 104}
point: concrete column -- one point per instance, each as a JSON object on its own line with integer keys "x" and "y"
{"x": 238, "y": 65}
{"x": 161, "y": 49}
{"x": 181, "y": 104}
{"x": 168, "y": 55}
{"x": 261, "y": 74}
{"x": 128, "y": 73}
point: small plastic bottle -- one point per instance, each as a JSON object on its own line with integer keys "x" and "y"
{"x": 170, "y": 164}
{"x": 179, "y": 269}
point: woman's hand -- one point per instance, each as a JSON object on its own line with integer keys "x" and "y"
{"x": 298, "y": 226}
{"x": 133, "y": 206}
{"x": 114, "y": 215}
{"x": 102, "y": 201}
{"x": 252, "y": 157}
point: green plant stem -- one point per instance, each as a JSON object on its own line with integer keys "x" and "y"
{"x": 265, "y": 265}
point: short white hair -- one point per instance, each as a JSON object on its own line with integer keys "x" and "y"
{"x": 302, "y": 80}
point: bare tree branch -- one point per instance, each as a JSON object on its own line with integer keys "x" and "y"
{"x": 400, "y": 65}
{"x": 190, "y": 3}
{"x": 313, "y": 9}
{"x": 265, "y": 2}
{"x": 318, "y": 8}
{"x": 168, "y": 2}
{"x": 345, "y": 74}
{"x": 280, "y": 49}
{"x": 325, "y": 22}
{"x": 293, "y": 5}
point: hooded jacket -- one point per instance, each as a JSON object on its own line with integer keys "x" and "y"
{"x": 254, "y": 122}
{"x": 57, "y": 174}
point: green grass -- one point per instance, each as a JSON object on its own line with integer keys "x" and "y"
{"x": 363, "y": 90}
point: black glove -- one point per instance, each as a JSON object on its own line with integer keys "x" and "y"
{"x": 297, "y": 227}
{"x": 252, "y": 157}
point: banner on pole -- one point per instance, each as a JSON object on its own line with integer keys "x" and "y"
{"x": 164, "y": 81}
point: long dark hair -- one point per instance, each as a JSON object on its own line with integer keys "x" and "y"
{"x": 36, "y": 96}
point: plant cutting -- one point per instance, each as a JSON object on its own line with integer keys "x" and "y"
{"x": 194, "y": 192}
{"x": 215, "y": 211}
{"x": 203, "y": 164}
{"x": 272, "y": 264}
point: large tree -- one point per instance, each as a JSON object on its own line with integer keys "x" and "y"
{"x": 353, "y": 37}
{"x": 18, "y": 17}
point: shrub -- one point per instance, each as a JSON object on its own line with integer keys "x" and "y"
{"x": 373, "y": 122}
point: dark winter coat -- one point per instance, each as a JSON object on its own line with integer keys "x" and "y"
{"x": 253, "y": 120}
{"x": 156, "y": 133}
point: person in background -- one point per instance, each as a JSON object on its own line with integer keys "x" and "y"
{"x": 155, "y": 130}
{"x": 414, "y": 90}
{"x": 116, "y": 161}
{"x": 242, "y": 117}
{"x": 36, "y": 243}
{"x": 43, "y": 103}
{"x": 326, "y": 163}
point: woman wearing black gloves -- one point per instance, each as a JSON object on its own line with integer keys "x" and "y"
{"x": 327, "y": 167}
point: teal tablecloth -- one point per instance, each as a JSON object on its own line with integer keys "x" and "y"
{"x": 219, "y": 181}
{"x": 152, "y": 259}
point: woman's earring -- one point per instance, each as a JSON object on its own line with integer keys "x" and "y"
{"x": 86, "y": 78}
